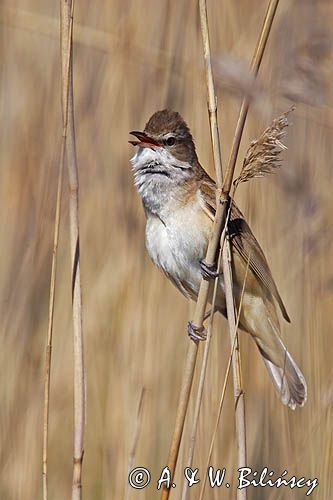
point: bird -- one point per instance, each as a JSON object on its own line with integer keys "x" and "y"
{"x": 179, "y": 201}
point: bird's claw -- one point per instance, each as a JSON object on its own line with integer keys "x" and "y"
{"x": 208, "y": 271}
{"x": 196, "y": 333}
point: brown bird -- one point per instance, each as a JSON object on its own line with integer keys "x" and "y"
{"x": 179, "y": 201}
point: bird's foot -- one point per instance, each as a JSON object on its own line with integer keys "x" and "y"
{"x": 196, "y": 333}
{"x": 209, "y": 271}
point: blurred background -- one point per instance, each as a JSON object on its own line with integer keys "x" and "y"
{"x": 132, "y": 58}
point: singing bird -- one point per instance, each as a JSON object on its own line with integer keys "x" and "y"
{"x": 179, "y": 200}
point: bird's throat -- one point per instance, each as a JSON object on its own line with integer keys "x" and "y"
{"x": 160, "y": 178}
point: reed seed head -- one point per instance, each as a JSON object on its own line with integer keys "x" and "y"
{"x": 264, "y": 154}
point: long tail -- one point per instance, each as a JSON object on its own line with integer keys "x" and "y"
{"x": 287, "y": 378}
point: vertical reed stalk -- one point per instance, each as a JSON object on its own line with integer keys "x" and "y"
{"x": 79, "y": 371}
{"x": 236, "y": 365}
{"x": 233, "y": 346}
{"x": 220, "y": 215}
{"x": 255, "y": 65}
{"x": 66, "y": 57}
{"x": 48, "y": 354}
{"x": 202, "y": 378}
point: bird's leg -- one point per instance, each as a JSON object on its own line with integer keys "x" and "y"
{"x": 196, "y": 332}
{"x": 209, "y": 271}
{"x": 207, "y": 315}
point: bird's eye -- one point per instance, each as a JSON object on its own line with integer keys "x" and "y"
{"x": 170, "y": 141}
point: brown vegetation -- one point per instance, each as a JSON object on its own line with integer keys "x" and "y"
{"x": 130, "y": 59}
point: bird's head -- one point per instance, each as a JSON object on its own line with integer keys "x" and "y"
{"x": 166, "y": 161}
{"x": 167, "y": 134}
{"x": 167, "y": 130}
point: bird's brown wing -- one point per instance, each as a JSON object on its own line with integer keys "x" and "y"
{"x": 243, "y": 241}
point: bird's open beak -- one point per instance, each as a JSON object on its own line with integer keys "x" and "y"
{"x": 144, "y": 140}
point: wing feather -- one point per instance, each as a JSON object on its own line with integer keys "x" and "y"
{"x": 243, "y": 241}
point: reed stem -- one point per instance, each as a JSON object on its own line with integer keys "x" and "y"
{"x": 79, "y": 370}
{"x": 66, "y": 64}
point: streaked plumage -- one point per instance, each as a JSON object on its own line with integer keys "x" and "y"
{"x": 179, "y": 201}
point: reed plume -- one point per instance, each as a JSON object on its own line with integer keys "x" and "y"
{"x": 263, "y": 156}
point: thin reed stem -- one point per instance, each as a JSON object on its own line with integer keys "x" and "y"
{"x": 79, "y": 371}
{"x": 220, "y": 215}
{"x": 48, "y": 353}
{"x": 234, "y": 341}
{"x": 212, "y": 100}
{"x": 202, "y": 378}
{"x": 236, "y": 365}
{"x": 66, "y": 58}
{"x": 204, "y": 365}
{"x": 255, "y": 65}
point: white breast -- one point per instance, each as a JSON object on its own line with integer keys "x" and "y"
{"x": 177, "y": 244}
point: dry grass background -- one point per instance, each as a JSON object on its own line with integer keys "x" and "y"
{"x": 130, "y": 59}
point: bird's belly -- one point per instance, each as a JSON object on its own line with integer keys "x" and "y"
{"x": 177, "y": 247}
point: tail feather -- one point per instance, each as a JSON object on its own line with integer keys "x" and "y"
{"x": 287, "y": 379}
{"x": 259, "y": 318}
